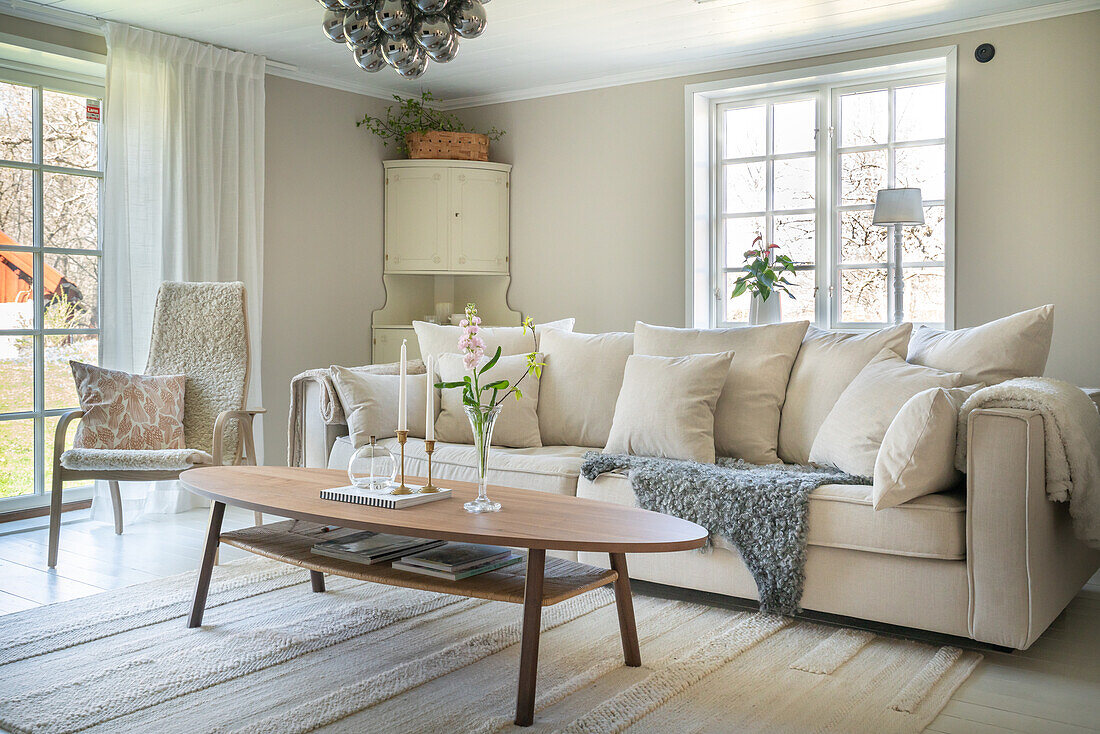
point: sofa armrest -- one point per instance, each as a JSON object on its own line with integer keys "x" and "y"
{"x": 318, "y": 435}
{"x": 1023, "y": 561}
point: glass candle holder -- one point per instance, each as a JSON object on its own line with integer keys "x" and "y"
{"x": 373, "y": 467}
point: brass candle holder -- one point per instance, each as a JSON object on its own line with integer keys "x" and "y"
{"x": 402, "y": 437}
{"x": 429, "y": 449}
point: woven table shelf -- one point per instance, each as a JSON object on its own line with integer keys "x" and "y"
{"x": 563, "y": 579}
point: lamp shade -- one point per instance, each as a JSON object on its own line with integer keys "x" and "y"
{"x": 898, "y": 206}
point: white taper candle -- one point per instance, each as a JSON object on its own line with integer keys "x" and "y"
{"x": 429, "y": 412}
{"x": 402, "y": 418}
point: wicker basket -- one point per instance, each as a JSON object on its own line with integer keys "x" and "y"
{"x": 451, "y": 146}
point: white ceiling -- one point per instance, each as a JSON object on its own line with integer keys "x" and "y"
{"x": 537, "y": 47}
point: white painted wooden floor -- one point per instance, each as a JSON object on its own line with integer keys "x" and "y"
{"x": 1052, "y": 688}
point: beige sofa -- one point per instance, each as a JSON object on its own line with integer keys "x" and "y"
{"x": 995, "y": 561}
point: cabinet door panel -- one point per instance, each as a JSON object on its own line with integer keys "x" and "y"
{"x": 387, "y": 345}
{"x": 417, "y": 207}
{"x": 479, "y": 226}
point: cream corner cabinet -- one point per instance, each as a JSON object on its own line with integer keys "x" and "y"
{"x": 446, "y": 244}
{"x": 446, "y": 216}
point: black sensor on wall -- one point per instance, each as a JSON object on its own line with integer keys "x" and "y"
{"x": 984, "y": 53}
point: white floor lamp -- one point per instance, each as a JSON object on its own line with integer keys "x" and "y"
{"x": 897, "y": 208}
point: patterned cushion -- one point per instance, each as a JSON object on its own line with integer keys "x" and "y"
{"x": 124, "y": 411}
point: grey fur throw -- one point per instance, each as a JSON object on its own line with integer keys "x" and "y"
{"x": 761, "y": 510}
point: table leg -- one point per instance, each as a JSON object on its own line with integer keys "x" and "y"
{"x": 206, "y": 566}
{"x": 317, "y": 579}
{"x": 529, "y": 647}
{"x": 625, "y": 604}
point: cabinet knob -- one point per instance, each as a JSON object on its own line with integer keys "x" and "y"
{"x": 456, "y": 214}
{"x": 462, "y": 260}
{"x": 436, "y": 259}
{"x": 436, "y": 177}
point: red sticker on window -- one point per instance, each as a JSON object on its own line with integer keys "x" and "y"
{"x": 91, "y": 110}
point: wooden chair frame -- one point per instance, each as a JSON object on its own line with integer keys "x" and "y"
{"x": 245, "y": 455}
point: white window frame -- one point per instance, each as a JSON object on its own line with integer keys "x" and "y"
{"x": 890, "y": 146}
{"x": 39, "y": 79}
{"x": 704, "y": 307}
{"x": 719, "y": 266}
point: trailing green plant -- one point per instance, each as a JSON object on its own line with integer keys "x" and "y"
{"x": 765, "y": 272}
{"x": 416, "y": 115}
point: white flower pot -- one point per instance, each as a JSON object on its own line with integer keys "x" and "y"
{"x": 765, "y": 312}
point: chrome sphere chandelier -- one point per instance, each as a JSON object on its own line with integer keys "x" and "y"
{"x": 402, "y": 34}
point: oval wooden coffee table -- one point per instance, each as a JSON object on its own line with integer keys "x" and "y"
{"x": 537, "y": 521}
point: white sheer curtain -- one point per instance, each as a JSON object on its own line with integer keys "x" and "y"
{"x": 183, "y": 198}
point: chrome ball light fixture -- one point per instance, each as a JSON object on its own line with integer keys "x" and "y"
{"x": 402, "y": 34}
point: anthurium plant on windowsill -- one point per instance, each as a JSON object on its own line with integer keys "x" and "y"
{"x": 765, "y": 275}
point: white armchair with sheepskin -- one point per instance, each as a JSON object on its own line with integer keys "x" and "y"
{"x": 187, "y": 409}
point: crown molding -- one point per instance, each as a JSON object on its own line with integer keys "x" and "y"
{"x": 794, "y": 51}
{"x": 287, "y": 71}
{"x": 52, "y": 16}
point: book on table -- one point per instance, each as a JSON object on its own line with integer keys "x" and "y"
{"x": 369, "y": 547}
{"x": 459, "y": 575}
{"x": 456, "y": 561}
{"x": 372, "y": 498}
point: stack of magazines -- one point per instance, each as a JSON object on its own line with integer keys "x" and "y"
{"x": 454, "y": 561}
{"x": 368, "y": 547}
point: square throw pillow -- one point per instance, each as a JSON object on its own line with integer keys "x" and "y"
{"x": 370, "y": 403}
{"x": 666, "y": 406}
{"x": 131, "y": 412}
{"x": 579, "y": 387}
{"x": 746, "y": 419}
{"x": 917, "y": 456}
{"x": 826, "y": 363}
{"x": 1015, "y": 346}
{"x": 437, "y": 339}
{"x": 850, "y": 436}
{"x": 518, "y": 423}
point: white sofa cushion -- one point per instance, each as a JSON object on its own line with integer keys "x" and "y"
{"x": 544, "y": 469}
{"x": 842, "y": 516}
{"x": 826, "y": 363}
{"x": 1014, "y": 346}
{"x": 850, "y": 436}
{"x": 518, "y": 422}
{"x": 579, "y": 385}
{"x": 437, "y": 339}
{"x": 746, "y": 418}
{"x": 370, "y": 403}
{"x": 666, "y": 406}
{"x": 917, "y": 456}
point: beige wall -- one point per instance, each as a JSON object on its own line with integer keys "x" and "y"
{"x": 322, "y": 239}
{"x": 598, "y": 190}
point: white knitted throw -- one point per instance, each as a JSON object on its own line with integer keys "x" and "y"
{"x": 1071, "y": 425}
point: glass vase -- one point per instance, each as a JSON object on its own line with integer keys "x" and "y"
{"x": 482, "y": 419}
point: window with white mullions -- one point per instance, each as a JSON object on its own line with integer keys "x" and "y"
{"x": 798, "y": 157}
{"x": 767, "y": 186}
{"x": 50, "y": 183}
{"x": 888, "y": 135}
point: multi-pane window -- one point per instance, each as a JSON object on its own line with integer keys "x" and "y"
{"x": 768, "y": 187}
{"x": 802, "y": 171}
{"x": 888, "y": 136}
{"x": 50, "y": 179}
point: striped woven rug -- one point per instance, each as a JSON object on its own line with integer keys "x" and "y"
{"x": 274, "y": 657}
